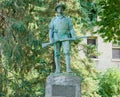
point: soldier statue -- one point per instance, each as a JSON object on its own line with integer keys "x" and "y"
{"x": 60, "y": 28}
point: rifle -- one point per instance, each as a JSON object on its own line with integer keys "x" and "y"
{"x": 67, "y": 39}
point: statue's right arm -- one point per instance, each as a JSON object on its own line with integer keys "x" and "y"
{"x": 51, "y": 30}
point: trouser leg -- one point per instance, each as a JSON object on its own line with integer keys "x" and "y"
{"x": 67, "y": 59}
{"x": 66, "y": 48}
{"x": 57, "y": 57}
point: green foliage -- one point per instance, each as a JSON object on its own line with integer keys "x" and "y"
{"x": 84, "y": 68}
{"x": 19, "y": 27}
{"x": 109, "y": 83}
{"x": 90, "y": 50}
{"x": 89, "y": 13}
{"x": 109, "y": 20}
{"x": 23, "y": 73}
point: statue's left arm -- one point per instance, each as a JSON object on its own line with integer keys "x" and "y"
{"x": 71, "y": 29}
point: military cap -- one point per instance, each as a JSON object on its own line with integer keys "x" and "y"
{"x": 60, "y": 5}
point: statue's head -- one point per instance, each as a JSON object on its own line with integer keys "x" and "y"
{"x": 60, "y": 8}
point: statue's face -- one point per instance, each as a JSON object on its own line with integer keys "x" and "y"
{"x": 60, "y": 10}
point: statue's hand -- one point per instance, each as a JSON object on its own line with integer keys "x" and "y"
{"x": 74, "y": 37}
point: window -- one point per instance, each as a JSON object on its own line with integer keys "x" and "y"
{"x": 93, "y": 42}
{"x": 116, "y": 51}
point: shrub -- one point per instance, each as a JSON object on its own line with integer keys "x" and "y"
{"x": 109, "y": 83}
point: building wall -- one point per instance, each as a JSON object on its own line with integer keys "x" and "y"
{"x": 104, "y": 60}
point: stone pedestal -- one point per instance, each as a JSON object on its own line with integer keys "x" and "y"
{"x": 62, "y": 85}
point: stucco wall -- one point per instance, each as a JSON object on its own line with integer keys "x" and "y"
{"x": 104, "y": 61}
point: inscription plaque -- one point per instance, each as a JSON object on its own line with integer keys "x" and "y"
{"x": 63, "y": 90}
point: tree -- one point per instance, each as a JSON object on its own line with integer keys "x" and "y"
{"x": 109, "y": 83}
{"x": 21, "y": 33}
{"x": 108, "y": 23}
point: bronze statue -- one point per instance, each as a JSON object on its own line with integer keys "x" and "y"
{"x": 60, "y": 31}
